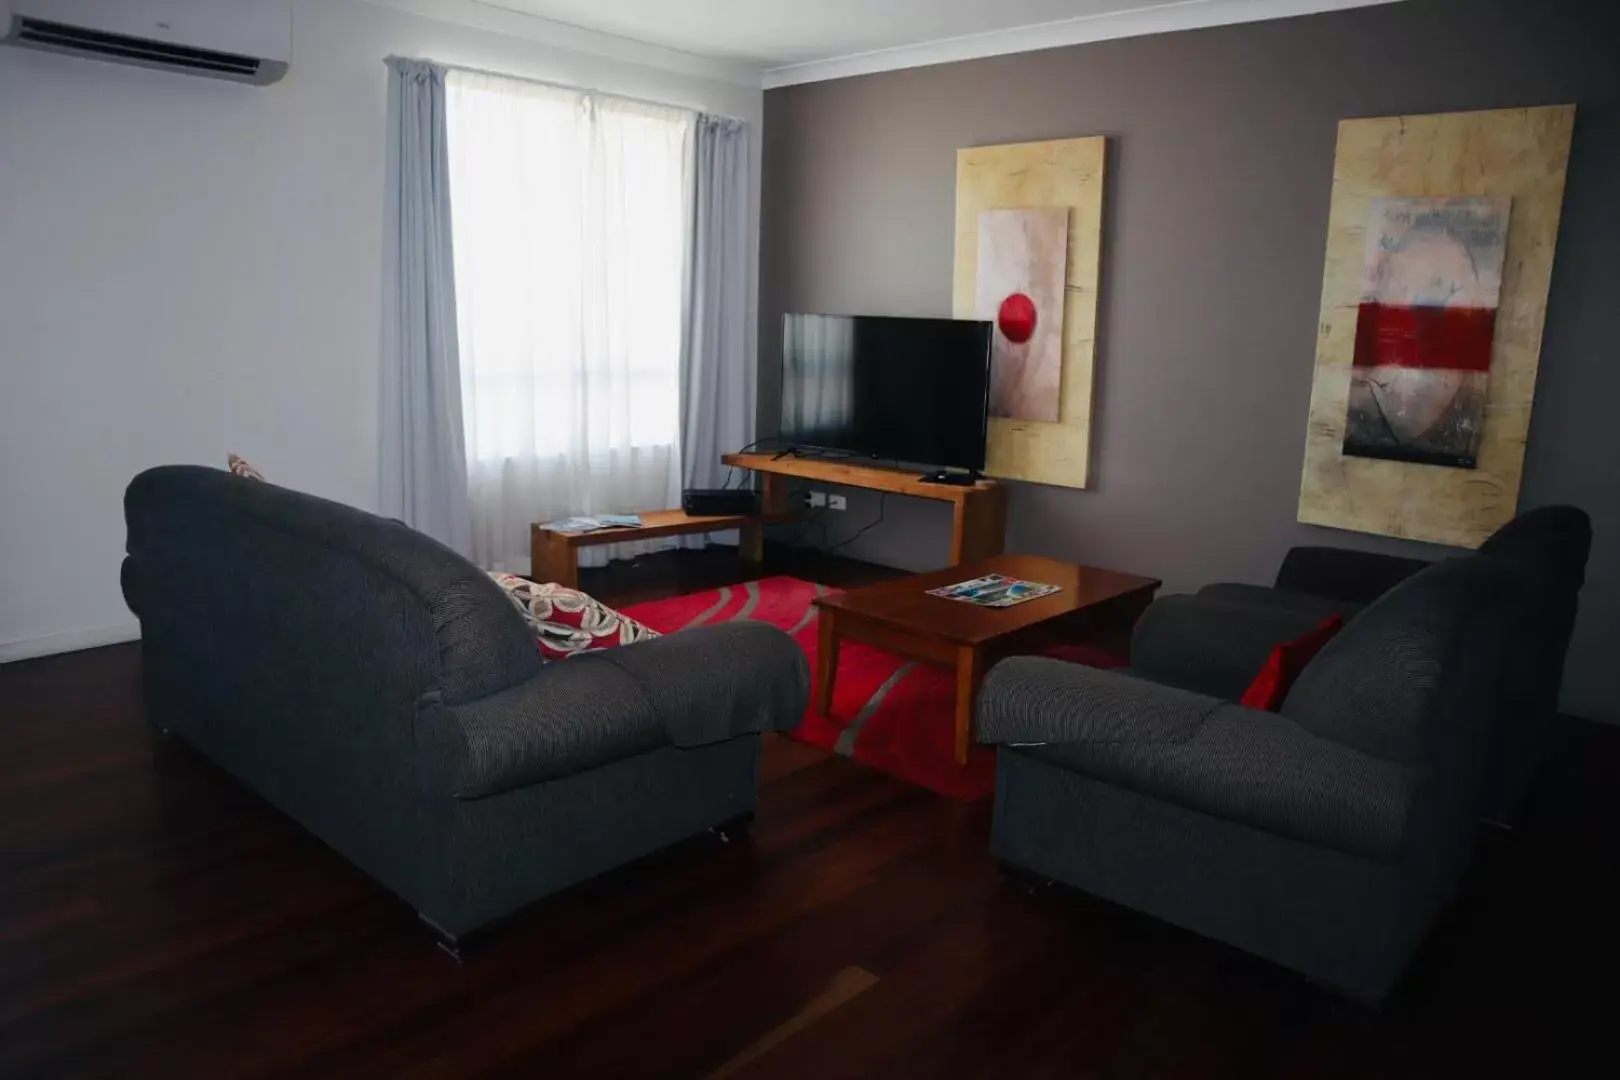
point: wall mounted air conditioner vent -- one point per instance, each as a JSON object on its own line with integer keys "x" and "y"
{"x": 49, "y": 35}
{"x": 243, "y": 40}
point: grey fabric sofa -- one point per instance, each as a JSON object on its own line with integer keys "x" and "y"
{"x": 382, "y": 691}
{"x": 1325, "y": 837}
{"x": 1551, "y": 543}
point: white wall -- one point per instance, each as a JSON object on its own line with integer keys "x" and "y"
{"x": 190, "y": 268}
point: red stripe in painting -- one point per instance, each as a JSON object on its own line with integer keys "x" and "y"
{"x": 1455, "y": 338}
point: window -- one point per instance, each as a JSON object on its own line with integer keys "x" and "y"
{"x": 569, "y": 215}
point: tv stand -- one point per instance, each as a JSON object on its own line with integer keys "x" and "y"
{"x": 978, "y": 507}
{"x": 813, "y": 453}
{"x": 954, "y": 479}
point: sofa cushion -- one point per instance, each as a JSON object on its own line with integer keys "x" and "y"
{"x": 1210, "y": 646}
{"x": 184, "y": 518}
{"x": 1344, "y": 575}
{"x": 567, "y": 622}
{"x": 1319, "y": 607}
{"x": 1553, "y": 541}
{"x": 1420, "y": 676}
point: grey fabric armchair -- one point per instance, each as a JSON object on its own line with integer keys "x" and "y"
{"x": 380, "y": 690}
{"x": 1325, "y": 837}
{"x": 1550, "y": 543}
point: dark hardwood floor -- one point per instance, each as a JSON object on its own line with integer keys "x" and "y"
{"x": 158, "y": 920}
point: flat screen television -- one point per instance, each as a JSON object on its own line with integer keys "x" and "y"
{"x": 916, "y": 390}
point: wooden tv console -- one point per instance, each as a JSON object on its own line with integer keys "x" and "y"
{"x": 978, "y": 512}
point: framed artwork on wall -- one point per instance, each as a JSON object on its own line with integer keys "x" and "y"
{"x": 1009, "y": 202}
{"x": 1440, "y": 245}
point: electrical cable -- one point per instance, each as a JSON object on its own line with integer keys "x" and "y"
{"x": 732, "y": 470}
{"x": 812, "y": 520}
{"x": 883, "y": 504}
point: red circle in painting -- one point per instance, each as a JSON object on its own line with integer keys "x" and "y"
{"x": 1017, "y": 318}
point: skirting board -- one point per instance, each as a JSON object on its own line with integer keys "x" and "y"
{"x": 72, "y": 641}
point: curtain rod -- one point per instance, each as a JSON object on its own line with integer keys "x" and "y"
{"x": 571, "y": 87}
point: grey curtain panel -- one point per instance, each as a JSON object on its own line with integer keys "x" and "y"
{"x": 718, "y": 385}
{"x": 422, "y": 456}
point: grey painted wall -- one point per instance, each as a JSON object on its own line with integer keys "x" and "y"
{"x": 1222, "y": 156}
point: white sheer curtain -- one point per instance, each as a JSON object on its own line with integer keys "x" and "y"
{"x": 570, "y": 214}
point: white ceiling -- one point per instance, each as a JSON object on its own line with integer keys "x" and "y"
{"x": 775, "y": 33}
{"x": 801, "y": 40}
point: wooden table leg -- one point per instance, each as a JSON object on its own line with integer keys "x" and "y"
{"x": 969, "y": 674}
{"x": 552, "y": 559}
{"x": 826, "y": 663}
{"x": 751, "y": 542}
{"x": 979, "y": 525}
{"x": 774, "y": 497}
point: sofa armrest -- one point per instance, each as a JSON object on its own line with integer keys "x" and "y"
{"x": 1254, "y": 768}
{"x": 715, "y": 683}
{"x": 1212, "y": 646}
{"x": 575, "y": 715}
{"x": 686, "y": 689}
{"x": 1029, "y": 700}
{"x": 1356, "y": 577}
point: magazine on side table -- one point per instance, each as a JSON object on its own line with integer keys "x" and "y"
{"x": 995, "y": 590}
{"x": 594, "y": 524}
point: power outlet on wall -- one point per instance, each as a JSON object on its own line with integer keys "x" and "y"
{"x": 818, "y": 498}
{"x": 837, "y": 502}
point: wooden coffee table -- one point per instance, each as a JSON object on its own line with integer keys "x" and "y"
{"x": 900, "y": 615}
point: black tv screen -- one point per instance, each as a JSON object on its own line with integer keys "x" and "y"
{"x": 916, "y": 390}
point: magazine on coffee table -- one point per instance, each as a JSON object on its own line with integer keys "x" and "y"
{"x": 995, "y": 590}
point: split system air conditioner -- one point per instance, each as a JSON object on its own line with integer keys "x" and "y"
{"x": 243, "y": 40}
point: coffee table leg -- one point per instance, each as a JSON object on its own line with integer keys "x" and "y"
{"x": 969, "y": 674}
{"x": 826, "y": 663}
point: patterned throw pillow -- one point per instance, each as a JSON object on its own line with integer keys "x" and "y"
{"x": 240, "y": 467}
{"x": 566, "y": 622}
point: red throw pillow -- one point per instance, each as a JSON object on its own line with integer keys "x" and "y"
{"x": 1285, "y": 663}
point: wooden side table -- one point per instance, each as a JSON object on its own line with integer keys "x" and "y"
{"x": 554, "y": 556}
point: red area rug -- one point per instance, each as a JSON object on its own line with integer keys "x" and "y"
{"x": 889, "y": 712}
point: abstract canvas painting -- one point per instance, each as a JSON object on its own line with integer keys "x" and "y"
{"x": 1432, "y": 280}
{"x": 1023, "y": 259}
{"x": 1520, "y": 154}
